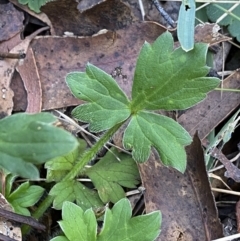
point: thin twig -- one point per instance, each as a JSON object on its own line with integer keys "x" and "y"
{"x": 164, "y": 14}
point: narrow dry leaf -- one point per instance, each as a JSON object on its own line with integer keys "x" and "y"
{"x": 32, "y": 84}
{"x": 232, "y": 170}
{"x": 238, "y": 215}
{"x": 186, "y": 201}
{"x": 6, "y": 73}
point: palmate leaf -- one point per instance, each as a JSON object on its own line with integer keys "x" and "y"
{"x": 74, "y": 191}
{"x": 118, "y": 224}
{"x": 107, "y": 104}
{"x": 166, "y": 135}
{"x": 164, "y": 79}
{"x": 170, "y": 79}
{"x": 109, "y": 174}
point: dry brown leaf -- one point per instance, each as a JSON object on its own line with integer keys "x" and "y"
{"x": 64, "y": 15}
{"x": 11, "y": 21}
{"x": 206, "y": 115}
{"x": 32, "y": 84}
{"x": 185, "y": 200}
{"x": 20, "y": 94}
{"x": 57, "y": 56}
{"x": 209, "y": 33}
{"x": 6, "y": 73}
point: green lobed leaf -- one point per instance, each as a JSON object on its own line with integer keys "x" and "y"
{"x": 58, "y": 167}
{"x": 74, "y": 191}
{"x": 9, "y": 180}
{"x": 118, "y": 224}
{"x": 78, "y": 225}
{"x": 148, "y": 129}
{"x": 214, "y": 12}
{"x": 27, "y": 139}
{"x": 109, "y": 174}
{"x": 25, "y": 196}
{"x": 185, "y": 27}
{"x": 34, "y": 5}
{"x": 105, "y": 98}
{"x": 170, "y": 79}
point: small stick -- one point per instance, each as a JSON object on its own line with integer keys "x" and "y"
{"x": 165, "y": 15}
{"x": 12, "y": 55}
{"x": 21, "y": 219}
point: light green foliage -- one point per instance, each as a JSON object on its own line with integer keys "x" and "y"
{"x": 185, "y": 27}
{"x": 214, "y": 11}
{"x": 118, "y": 224}
{"x": 33, "y": 140}
{"x": 109, "y": 174}
{"x": 73, "y": 190}
{"x": 34, "y": 5}
{"x": 24, "y": 196}
{"x": 170, "y": 79}
{"x": 165, "y": 134}
{"x": 84, "y": 223}
{"x": 107, "y": 104}
{"x": 164, "y": 79}
{"x": 58, "y": 167}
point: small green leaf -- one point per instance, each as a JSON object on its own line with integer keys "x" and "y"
{"x": 109, "y": 174}
{"x": 105, "y": 98}
{"x": 10, "y": 178}
{"x": 34, "y": 5}
{"x": 58, "y": 167}
{"x": 185, "y": 27}
{"x": 78, "y": 225}
{"x": 73, "y": 190}
{"x": 170, "y": 79}
{"x": 148, "y": 129}
{"x": 118, "y": 224}
{"x": 33, "y": 140}
{"x": 25, "y": 196}
{"x": 215, "y": 11}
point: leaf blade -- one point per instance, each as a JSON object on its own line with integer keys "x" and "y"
{"x": 109, "y": 175}
{"x": 185, "y": 27}
{"x": 104, "y": 96}
{"x": 169, "y": 79}
{"x": 32, "y": 141}
{"x": 118, "y": 224}
{"x": 73, "y": 190}
{"x": 148, "y": 129}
